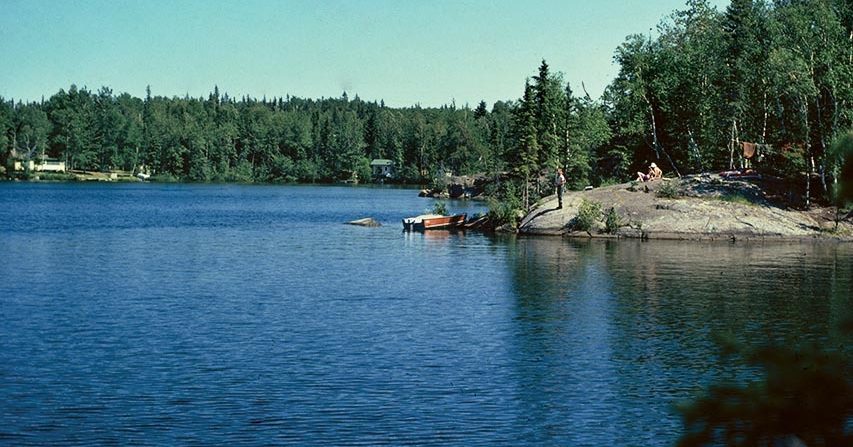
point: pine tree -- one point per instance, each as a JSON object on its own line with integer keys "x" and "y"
{"x": 528, "y": 153}
{"x": 481, "y": 111}
{"x": 548, "y": 110}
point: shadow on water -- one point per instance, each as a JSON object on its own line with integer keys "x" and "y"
{"x": 617, "y": 333}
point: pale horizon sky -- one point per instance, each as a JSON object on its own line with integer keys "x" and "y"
{"x": 402, "y": 52}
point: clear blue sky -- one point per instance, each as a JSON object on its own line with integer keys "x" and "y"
{"x": 405, "y": 52}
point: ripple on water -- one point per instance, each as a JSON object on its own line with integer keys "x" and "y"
{"x": 188, "y": 314}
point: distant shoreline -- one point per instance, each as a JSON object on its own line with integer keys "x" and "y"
{"x": 641, "y": 211}
{"x": 69, "y": 178}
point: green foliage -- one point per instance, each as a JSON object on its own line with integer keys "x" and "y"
{"x": 504, "y": 205}
{"x": 804, "y": 390}
{"x": 164, "y": 178}
{"x": 841, "y": 156}
{"x": 769, "y": 72}
{"x": 503, "y": 213}
{"x": 589, "y": 213}
{"x": 609, "y": 181}
{"x": 229, "y": 139}
{"x": 548, "y": 99}
{"x": 669, "y": 189}
{"x": 736, "y": 198}
{"x": 589, "y": 135}
{"x": 766, "y": 72}
{"x": 362, "y": 169}
{"x": 438, "y": 185}
{"x": 612, "y": 221}
{"x": 54, "y": 176}
{"x": 439, "y": 207}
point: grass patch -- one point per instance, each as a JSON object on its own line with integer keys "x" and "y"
{"x": 736, "y": 197}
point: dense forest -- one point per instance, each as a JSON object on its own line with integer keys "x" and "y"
{"x": 777, "y": 73}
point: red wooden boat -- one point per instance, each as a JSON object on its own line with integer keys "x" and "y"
{"x": 433, "y": 222}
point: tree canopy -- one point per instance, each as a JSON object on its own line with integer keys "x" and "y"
{"x": 776, "y": 73}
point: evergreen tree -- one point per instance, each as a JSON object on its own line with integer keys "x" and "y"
{"x": 548, "y": 111}
{"x": 481, "y": 111}
{"x": 528, "y": 152}
{"x": 6, "y": 118}
{"x": 371, "y": 137}
{"x": 30, "y": 130}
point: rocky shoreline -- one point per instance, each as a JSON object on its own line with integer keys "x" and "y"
{"x": 459, "y": 187}
{"x": 702, "y": 207}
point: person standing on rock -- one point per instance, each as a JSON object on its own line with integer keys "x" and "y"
{"x": 559, "y": 181}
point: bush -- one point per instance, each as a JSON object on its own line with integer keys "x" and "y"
{"x": 439, "y": 207}
{"x": 504, "y": 205}
{"x": 589, "y": 213}
{"x": 437, "y": 185}
{"x": 611, "y": 221}
{"x": 669, "y": 190}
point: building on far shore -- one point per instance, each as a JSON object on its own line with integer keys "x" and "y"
{"x": 44, "y": 165}
{"x": 382, "y": 168}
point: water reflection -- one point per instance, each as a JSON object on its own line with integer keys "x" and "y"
{"x": 613, "y": 334}
{"x": 241, "y": 315}
{"x": 563, "y": 349}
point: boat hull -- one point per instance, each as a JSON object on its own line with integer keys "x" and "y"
{"x": 434, "y": 222}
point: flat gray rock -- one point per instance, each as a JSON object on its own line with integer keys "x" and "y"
{"x": 365, "y": 222}
{"x": 699, "y": 213}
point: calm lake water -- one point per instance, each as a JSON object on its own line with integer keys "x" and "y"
{"x": 229, "y": 315}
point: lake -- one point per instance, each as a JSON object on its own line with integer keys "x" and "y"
{"x": 244, "y": 315}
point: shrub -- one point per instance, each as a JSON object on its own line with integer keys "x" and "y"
{"x": 437, "y": 185}
{"x": 589, "y": 213}
{"x": 669, "y": 190}
{"x": 504, "y": 205}
{"x": 439, "y": 208}
{"x": 611, "y": 221}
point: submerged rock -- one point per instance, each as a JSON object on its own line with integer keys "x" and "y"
{"x": 365, "y": 222}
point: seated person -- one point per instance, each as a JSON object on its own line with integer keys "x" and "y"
{"x": 654, "y": 174}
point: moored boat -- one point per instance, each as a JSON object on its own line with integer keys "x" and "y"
{"x": 433, "y": 222}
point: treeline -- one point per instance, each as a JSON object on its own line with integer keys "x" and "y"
{"x": 775, "y": 73}
{"x": 220, "y": 138}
